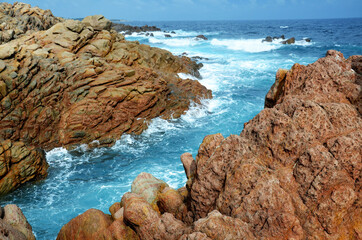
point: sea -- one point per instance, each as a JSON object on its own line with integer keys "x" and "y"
{"x": 239, "y": 69}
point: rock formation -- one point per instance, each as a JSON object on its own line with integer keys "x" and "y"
{"x": 20, "y": 163}
{"x": 13, "y": 224}
{"x": 293, "y": 172}
{"x": 201, "y": 37}
{"x": 76, "y": 83}
{"x": 288, "y": 41}
{"x": 21, "y": 19}
{"x": 128, "y": 29}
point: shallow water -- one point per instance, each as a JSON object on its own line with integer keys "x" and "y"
{"x": 239, "y": 69}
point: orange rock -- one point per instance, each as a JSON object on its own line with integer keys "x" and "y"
{"x": 91, "y": 83}
{"x": 19, "y": 164}
{"x": 85, "y": 226}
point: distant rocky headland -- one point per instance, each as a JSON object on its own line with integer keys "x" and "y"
{"x": 293, "y": 172}
{"x": 68, "y": 82}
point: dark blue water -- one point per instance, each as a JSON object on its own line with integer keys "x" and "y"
{"x": 239, "y": 70}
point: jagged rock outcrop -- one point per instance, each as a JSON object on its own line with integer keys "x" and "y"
{"x": 293, "y": 172}
{"x": 128, "y": 29}
{"x": 19, "y": 19}
{"x": 20, "y": 163}
{"x": 13, "y": 224}
{"x": 79, "y": 83}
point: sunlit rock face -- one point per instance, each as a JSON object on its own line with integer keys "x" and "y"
{"x": 292, "y": 173}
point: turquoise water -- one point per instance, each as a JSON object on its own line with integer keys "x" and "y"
{"x": 239, "y": 69}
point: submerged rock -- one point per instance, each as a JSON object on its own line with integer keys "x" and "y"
{"x": 292, "y": 173}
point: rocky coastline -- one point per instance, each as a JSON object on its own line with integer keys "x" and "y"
{"x": 293, "y": 172}
{"x": 66, "y": 82}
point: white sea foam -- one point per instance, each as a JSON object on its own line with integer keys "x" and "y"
{"x": 187, "y": 76}
{"x": 246, "y": 45}
{"x": 211, "y": 74}
{"x": 284, "y": 26}
{"x": 303, "y": 43}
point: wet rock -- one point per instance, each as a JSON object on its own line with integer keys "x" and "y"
{"x": 289, "y": 41}
{"x": 198, "y": 58}
{"x": 268, "y": 39}
{"x": 202, "y": 37}
{"x": 168, "y": 36}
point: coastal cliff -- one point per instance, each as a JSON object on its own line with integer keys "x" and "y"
{"x": 79, "y": 82}
{"x": 293, "y": 172}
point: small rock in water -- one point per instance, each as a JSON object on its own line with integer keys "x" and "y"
{"x": 201, "y": 37}
{"x": 268, "y": 39}
{"x": 168, "y": 35}
{"x": 289, "y": 41}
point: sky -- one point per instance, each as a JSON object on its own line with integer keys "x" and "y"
{"x": 166, "y": 10}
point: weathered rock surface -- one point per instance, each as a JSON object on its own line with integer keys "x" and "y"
{"x": 79, "y": 82}
{"x": 20, "y": 163}
{"x": 21, "y": 19}
{"x": 293, "y": 173}
{"x": 88, "y": 225}
{"x": 294, "y": 170}
{"x": 13, "y": 224}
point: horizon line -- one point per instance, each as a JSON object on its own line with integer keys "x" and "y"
{"x": 223, "y": 20}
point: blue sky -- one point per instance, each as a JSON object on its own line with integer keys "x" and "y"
{"x": 203, "y": 9}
